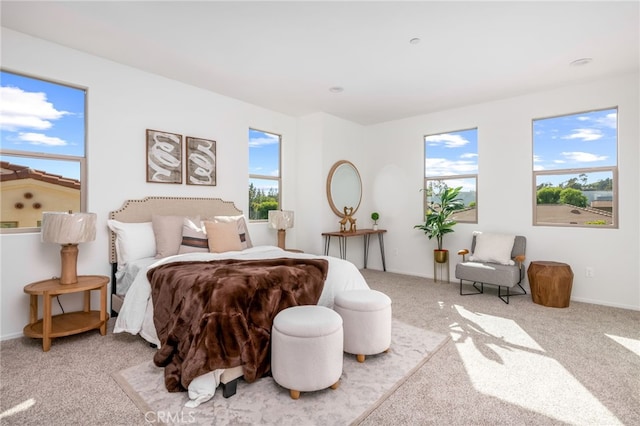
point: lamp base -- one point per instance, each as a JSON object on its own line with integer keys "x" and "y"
{"x": 282, "y": 235}
{"x": 69, "y": 261}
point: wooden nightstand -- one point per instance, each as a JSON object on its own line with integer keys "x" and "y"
{"x": 68, "y": 323}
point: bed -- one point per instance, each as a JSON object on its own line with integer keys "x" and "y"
{"x": 144, "y": 239}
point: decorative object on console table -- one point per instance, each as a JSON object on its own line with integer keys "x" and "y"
{"x": 375, "y": 216}
{"x": 164, "y": 157}
{"x": 348, "y": 218}
{"x": 201, "y": 161}
{"x": 281, "y": 220}
{"x": 68, "y": 323}
{"x": 550, "y": 283}
{"x": 438, "y": 220}
{"x": 68, "y": 229}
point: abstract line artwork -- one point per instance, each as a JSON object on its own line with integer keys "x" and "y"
{"x": 164, "y": 157}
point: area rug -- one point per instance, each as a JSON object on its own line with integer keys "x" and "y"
{"x": 363, "y": 387}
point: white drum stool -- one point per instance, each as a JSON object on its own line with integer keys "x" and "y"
{"x": 306, "y": 349}
{"x": 366, "y": 316}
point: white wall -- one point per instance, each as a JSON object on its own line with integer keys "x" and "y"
{"x": 123, "y": 102}
{"x": 505, "y": 187}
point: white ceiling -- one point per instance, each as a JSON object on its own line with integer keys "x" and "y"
{"x": 286, "y": 55}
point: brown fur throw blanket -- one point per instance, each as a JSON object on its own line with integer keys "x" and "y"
{"x": 218, "y": 314}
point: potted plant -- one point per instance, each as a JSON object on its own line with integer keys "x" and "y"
{"x": 438, "y": 220}
{"x": 375, "y": 216}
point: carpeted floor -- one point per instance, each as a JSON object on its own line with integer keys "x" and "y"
{"x": 362, "y": 387}
{"x": 520, "y": 363}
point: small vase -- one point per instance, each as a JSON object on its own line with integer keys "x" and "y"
{"x": 375, "y": 226}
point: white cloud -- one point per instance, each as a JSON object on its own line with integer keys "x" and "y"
{"x": 444, "y": 167}
{"x": 266, "y": 140}
{"x": 583, "y": 157}
{"x": 447, "y": 139}
{"x": 611, "y": 120}
{"x": 585, "y": 134}
{"x": 40, "y": 139}
{"x": 26, "y": 110}
{"x": 469, "y": 155}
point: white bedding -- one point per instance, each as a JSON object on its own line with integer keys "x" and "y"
{"x": 136, "y": 314}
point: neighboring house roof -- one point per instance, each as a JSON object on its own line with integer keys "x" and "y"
{"x": 9, "y": 172}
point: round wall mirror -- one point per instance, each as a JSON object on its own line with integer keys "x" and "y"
{"x": 344, "y": 187}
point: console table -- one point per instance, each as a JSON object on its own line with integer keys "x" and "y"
{"x": 365, "y": 233}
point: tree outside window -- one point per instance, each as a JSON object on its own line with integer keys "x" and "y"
{"x": 575, "y": 169}
{"x": 264, "y": 173}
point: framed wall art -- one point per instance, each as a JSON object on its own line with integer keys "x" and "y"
{"x": 164, "y": 157}
{"x": 201, "y": 161}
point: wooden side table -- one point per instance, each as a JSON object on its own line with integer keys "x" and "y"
{"x": 68, "y": 323}
{"x": 550, "y": 283}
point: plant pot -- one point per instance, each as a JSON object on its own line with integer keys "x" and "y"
{"x": 440, "y": 256}
{"x": 375, "y": 226}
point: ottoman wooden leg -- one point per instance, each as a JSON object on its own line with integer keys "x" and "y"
{"x": 335, "y": 385}
{"x": 360, "y": 357}
{"x": 294, "y": 394}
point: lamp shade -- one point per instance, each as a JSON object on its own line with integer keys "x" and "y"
{"x": 281, "y": 219}
{"x": 68, "y": 228}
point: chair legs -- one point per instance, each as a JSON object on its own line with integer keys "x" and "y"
{"x": 475, "y": 285}
{"x": 502, "y": 296}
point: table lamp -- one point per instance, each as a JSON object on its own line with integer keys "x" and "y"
{"x": 68, "y": 229}
{"x": 281, "y": 220}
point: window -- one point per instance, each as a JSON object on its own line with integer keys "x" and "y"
{"x": 451, "y": 161}
{"x": 42, "y": 150}
{"x": 264, "y": 174}
{"x": 575, "y": 169}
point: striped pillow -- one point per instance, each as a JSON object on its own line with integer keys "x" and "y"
{"x": 194, "y": 237}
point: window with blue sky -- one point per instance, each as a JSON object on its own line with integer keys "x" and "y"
{"x": 42, "y": 128}
{"x": 451, "y": 160}
{"x": 264, "y": 173}
{"x": 575, "y": 169}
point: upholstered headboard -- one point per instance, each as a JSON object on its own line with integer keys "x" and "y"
{"x": 137, "y": 211}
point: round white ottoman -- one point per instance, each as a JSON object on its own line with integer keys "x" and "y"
{"x": 366, "y": 316}
{"x": 306, "y": 349}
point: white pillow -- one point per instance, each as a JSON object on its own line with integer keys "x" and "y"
{"x": 133, "y": 241}
{"x": 494, "y": 248}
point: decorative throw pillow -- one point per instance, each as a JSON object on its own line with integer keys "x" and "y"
{"x": 168, "y": 233}
{"x": 133, "y": 241}
{"x": 243, "y": 230}
{"x": 223, "y": 236}
{"x": 494, "y": 248}
{"x": 194, "y": 237}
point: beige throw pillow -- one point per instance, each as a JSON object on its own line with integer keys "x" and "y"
{"x": 243, "y": 231}
{"x": 222, "y": 236}
{"x": 168, "y": 233}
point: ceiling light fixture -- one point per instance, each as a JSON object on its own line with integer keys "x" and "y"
{"x": 336, "y": 89}
{"x": 580, "y": 62}
{"x": 414, "y": 40}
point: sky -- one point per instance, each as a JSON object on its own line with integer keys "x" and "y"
{"x": 583, "y": 140}
{"x": 44, "y": 117}
{"x": 264, "y": 158}
{"x": 39, "y": 116}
